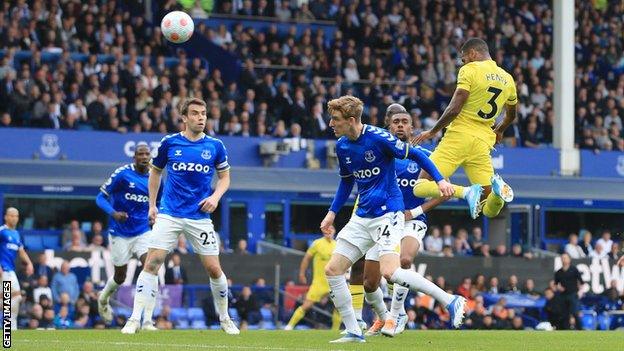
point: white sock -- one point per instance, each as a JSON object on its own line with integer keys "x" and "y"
{"x": 15, "y": 303}
{"x": 219, "y": 288}
{"x": 145, "y": 294}
{"x": 340, "y": 295}
{"x": 417, "y": 282}
{"x": 109, "y": 289}
{"x": 375, "y": 299}
{"x": 150, "y": 304}
{"x": 397, "y": 306}
{"x": 358, "y": 313}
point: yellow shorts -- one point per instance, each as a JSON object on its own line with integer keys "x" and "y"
{"x": 317, "y": 292}
{"x": 466, "y": 151}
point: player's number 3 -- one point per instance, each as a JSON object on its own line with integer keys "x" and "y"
{"x": 491, "y": 102}
{"x": 208, "y": 238}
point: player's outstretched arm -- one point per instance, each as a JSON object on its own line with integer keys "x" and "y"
{"x": 153, "y": 185}
{"x": 424, "y": 208}
{"x": 452, "y": 110}
{"x": 210, "y": 203}
{"x": 510, "y": 115}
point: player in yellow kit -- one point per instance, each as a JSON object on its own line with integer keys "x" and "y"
{"x": 319, "y": 252}
{"x": 483, "y": 91}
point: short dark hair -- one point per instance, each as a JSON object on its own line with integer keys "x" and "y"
{"x": 392, "y": 110}
{"x": 188, "y": 102}
{"x": 477, "y": 44}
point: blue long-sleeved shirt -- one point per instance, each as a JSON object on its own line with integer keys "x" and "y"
{"x": 65, "y": 283}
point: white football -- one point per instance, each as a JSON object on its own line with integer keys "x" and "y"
{"x": 177, "y": 26}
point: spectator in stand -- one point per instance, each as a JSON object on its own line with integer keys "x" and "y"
{"x": 241, "y": 247}
{"x": 553, "y": 308}
{"x": 479, "y": 283}
{"x": 70, "y": 232}
{"x": 494, "y": 289}
{"x": 175, "y": 274}
{"x": 42, "y": 289}
{"x": 605, "y": 241}
{"x": 529, "y": 289}
{"x": 464, "y": 288}
{"x": 447, "y": 251}
{"x": 65, "y": 281}
{"x": 568, "y": 280}
{"x": 476, "y": 239}
{"x": 461, "y": 247}
{"x": 501, "y": 250}
{"x": 517, "y": 251}
{"x": 512, "y": 285}
{"x": 75, "y": 244}
{"x": 447, "y": 235}
{"x": 90, "y": 298}
{"x": 42, "y": 268}
{"x": 572, "y": 248}
{"x": 586, "y": 245}
{"x": 247, "y": 307}
{"x": 433, "y": 242}
{"x": 614, "y": 254}
{"x": 599, "y": 251}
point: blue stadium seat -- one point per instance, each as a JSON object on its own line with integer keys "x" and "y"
{"x": 33, "y": 242}
{"x": 178, "y": 313}
{"x": 123, "y": 311}
{"x": 268, "y": 325}
{"x": 253, "y": 327}
{"x": 198, "y": 324}
{"x": 195, "y": 314}
{"x": 604, "y": 321}
{"x": 182, "y": 324}
{"x": 215, "y": 327}
{"x": 588, "y": 320}
{"x": 233, "y": 314}
{"x": 266, "y": 313}
{"x": 51, "y": 242}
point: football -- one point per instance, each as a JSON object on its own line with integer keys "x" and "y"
{"x": 177, "y": 26}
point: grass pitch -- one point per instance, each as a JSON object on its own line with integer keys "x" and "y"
{"x": 82, "y": 340}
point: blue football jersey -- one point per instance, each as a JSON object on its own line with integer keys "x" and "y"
{"x": 10, "y": 243}
{"x": 127, "y": 190}
{"x": 407, "y": 172}
{"x": 370, "y": 159}
{"x": 190, "y": 167}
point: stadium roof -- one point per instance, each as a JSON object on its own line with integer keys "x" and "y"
{"x": 36, "y": 172}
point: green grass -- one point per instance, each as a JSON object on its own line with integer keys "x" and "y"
{"x": 82, "y": 340}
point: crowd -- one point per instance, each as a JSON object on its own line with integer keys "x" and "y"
{"x": 382, "y": 51}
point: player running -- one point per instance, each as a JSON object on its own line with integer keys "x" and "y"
{"x": 483, "y": 90}
{"x": 124, "y": 198}
{"x": 191, "y": 159}
{"x": 10, "y": 246}
{"x": 366, "y": 155}
{"x": 320, "y": 251}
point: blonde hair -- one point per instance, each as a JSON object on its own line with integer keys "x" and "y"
{"x": 348, "y": 106}
{"x": 184, "y": 105}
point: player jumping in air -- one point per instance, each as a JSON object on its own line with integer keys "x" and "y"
{"x": 10, "y": 246}
{"x": 124, "y": 197}
{"x": 320, "y": 251}
{"x": 366, "y": 156}
{"x": 483, "y": 90}
{"x": 191, "y": 159}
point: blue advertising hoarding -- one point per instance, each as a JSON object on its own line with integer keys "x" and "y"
{"x": 46, "y": 144}
{"x": 608, "y": 164}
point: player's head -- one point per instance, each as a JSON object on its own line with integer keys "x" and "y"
{"x": 142, "y": 155}
{"x": 346, "y": 113}
{"x": 11, "y": 217}
{"x": 400, "y": 125}
{"x": 474, "y": 49}
{"x": 193, "y": 113}
{"x": 392, "y": 110}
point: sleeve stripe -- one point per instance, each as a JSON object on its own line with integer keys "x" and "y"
{"x": 102, "y": 189}
{"x": 407, "y": 148}
{"x": 223, "y": 170}
{"x": 158, "y": 168}
{"x": 223, "y": 164}
{"x": 346, "y": 176}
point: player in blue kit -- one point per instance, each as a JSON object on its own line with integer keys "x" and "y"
{"x": 124, "y": 198}
{"x": 400, "y": 125}
{"x": 10, "y": 246}
{"x": 191, "y": 159}
{"x": 366, "y": 156}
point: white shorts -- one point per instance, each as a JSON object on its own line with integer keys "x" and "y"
{"x": 199, "y": 232}
{"x": 415, "y": 229}
{"x": 11, "y": 277}
{"x": 122, "y": 248}
{"x": 361, "y": 234}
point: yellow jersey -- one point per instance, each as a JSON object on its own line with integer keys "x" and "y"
{"x": 321, "y": 251}
{"x": 491, "y": 88}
